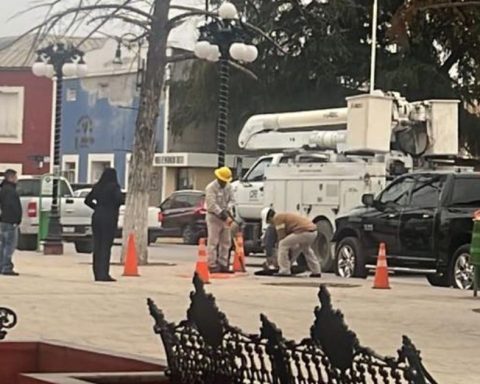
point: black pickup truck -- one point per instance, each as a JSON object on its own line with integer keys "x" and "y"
{"x": 425, "y": 220}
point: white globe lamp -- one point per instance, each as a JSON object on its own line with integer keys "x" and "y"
{"x": 251, "y": 53}
{"x": 228, "y": 11}
{"x": 214, "y": 54}
{"x": 49, "y": 71}
{"x": 82, "y": 69}
{"x": 39, "y": 69}
{"x": 238, "y": 51}
{"x": 202, "y": 49}
{"x": 70, "y": 69}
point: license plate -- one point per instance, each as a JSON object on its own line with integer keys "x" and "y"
{"x": 69, "y": 229}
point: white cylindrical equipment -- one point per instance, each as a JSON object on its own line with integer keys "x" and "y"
{"x": 328, "y": 139}
{"x": 291, "y": 121}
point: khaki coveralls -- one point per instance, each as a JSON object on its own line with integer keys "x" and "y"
{"x": 300, "y": 234}
{"x": 217, "y": 200}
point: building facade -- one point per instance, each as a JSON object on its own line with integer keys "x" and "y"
{"x": 99, "y": 116}
{"x": 25, "y": 121}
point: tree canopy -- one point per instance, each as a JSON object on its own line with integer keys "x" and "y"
{"x": 425, "y": 50}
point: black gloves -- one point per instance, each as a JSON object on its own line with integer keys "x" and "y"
{"x": 223, "y": 215}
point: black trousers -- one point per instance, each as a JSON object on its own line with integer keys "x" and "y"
{"x": 104, "y": 225}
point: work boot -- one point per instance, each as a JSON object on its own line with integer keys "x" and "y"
{"x": 10, "y": 273}
{"x": 282, "y": 274}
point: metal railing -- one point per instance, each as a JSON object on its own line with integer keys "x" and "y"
{"x": 205, "y": 348}
{"x": 8, "y": 320}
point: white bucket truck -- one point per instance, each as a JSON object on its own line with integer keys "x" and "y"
{"x": 330, "y": 158}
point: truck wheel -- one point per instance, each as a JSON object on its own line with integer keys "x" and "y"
{"x": 189, "y": 236}
{"x": 84, "y": 246}
{"x": 461, "y": 270}
{"x": 350, "y": 259}
{"x": 27, "y": 242}
{"x": 437, "y": 280}
{"x": 323, "y": 245}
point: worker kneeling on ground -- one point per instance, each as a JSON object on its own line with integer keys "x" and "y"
{"x": 219, "y": 201}
{"x": 296, "y": 235}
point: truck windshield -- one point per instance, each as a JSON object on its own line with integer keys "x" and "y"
{"x": 31, "y": 188}
{"x": 257, "y": 173}
{"x": 398, "y": 192}
{"x": 466, "y": 192}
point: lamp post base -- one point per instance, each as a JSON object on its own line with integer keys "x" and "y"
{"x": 53, "y": 248}
{"x": 53, "y": 244}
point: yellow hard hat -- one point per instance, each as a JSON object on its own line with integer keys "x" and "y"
{"x": 224, "y": 174}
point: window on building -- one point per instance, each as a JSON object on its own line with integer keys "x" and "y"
{"x": 184, "y": 179}
{"x": 11, "y": 115}
{"x": 97, "y": 169}
{"x": 70, "y": 171}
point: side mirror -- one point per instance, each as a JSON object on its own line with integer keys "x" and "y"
{"x": 368, "y": 200}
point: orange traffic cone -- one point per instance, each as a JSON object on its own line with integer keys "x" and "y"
{"x": 131, "y": 261}
{"x": 239, "y": 257}
{"x": 202, "y": 265}
{"x": 381, "y": 272}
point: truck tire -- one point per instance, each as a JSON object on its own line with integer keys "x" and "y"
{"x": 84, "y": 246}
{"x": 461, "y": 271}
{"x": 437, "y": 280}
{"x": 350, "y": 259}
{"x": 189, "y": 236}
{"x": 323, "y": 245}
{"x": 27, "y": 242}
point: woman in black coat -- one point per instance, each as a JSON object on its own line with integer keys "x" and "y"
{"x": 105, "y": 199}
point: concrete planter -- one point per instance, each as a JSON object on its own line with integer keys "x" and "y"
{"x": 39, "y": 362}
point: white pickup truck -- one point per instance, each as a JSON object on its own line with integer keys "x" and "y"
{"x": 75, "y": 215}
{"x": 154, "y": 217}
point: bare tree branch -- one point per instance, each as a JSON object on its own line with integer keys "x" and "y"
{"x": 264, "y": 35}
{"x": 123, "y": 18}
{"x": 181, "y": 57}
{"x": 92, "y": 32}
{"x": 243, "y": 69}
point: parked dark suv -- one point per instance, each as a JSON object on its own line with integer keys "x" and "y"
{"x": 183, "y": 215}
{"x": 425, "y": 220}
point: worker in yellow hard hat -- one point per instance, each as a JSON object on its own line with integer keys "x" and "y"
{"x": 219, "y": 201}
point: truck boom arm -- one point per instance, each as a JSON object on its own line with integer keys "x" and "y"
{"x": 291, "y": 129}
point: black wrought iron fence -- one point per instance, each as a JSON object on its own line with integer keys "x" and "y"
{"x": 8, "y": 320}
{"x": 206, "y": 349}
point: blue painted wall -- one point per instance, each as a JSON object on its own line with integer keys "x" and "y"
{"x": 99, "y": 115}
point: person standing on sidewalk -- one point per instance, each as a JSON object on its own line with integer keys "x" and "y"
{"x": 219, "y": 201}
{"x": 105, "y": 199}
{"x": 296, "y": 235}
{"x": 10, "y": 218}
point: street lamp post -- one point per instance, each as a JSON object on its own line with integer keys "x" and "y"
{"x": 222, "y": 39}
{"x": 57, "y": 60}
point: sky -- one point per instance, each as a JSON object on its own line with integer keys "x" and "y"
{"x": 21, "y": 24}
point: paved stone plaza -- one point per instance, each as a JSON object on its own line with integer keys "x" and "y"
{"x": 56, "y": 300}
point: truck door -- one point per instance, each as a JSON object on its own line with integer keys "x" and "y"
{"x": 382, "y": 225}
{"x": 418, "y": 222}
{"x": 250, "y": 191}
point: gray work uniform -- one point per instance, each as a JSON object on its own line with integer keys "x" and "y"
{"x": 217, "y": 200}
{"x": 300, "y": 235}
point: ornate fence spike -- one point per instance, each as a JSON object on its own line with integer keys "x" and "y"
{"x": 332, "y": 334}
{"x": 205, "y": 349}
{"x": 8, "y": 320}
{"x": 205, "y": 315}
